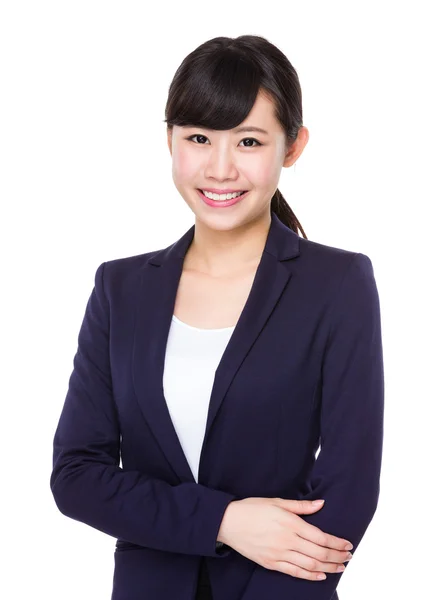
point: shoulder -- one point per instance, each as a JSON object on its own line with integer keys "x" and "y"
{"x": 117, "y": 276}
{"x": 331, "y": 263}
{"x": 129, "y": 263}
{"x": 330, "y": 256}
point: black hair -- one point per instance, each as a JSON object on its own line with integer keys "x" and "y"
{"x": 216, "y": 86}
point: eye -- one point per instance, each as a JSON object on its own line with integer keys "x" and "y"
{"x": 199, "y": 135}
{"x": 252, "y": 140}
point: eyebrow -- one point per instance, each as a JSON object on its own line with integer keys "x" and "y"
{"x": 237, "y": 130}
{"x": 250, "y": 128}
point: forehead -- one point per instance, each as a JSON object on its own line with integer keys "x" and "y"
{"x": 263, "y": 108}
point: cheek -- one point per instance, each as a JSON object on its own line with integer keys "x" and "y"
{"x": 261, "y": 173}
{"x": 184, "y": 166}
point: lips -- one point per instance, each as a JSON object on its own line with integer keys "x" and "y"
{"x": 222, "y": 192}
{"x": 221, "y": 203}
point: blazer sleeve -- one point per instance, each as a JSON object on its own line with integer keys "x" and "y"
{"x": 346, "y": 473}
{"x": 86, "y": 481}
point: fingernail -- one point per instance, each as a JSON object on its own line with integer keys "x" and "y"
{"x": 348, "y": 547}
{"x": 317, "y": 502}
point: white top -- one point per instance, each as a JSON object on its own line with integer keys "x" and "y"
{"x": 191, "y": 359}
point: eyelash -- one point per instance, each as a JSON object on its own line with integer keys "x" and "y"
{"x": 200, "y": 135}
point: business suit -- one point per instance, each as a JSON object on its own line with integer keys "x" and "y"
{"x": 304, "y": 366}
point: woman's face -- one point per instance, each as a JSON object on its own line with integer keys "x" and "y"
{"x": 203, "y": 159}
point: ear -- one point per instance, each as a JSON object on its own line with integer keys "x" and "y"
{"x": 169, "y": 140}
{"x": 295, "y": 150}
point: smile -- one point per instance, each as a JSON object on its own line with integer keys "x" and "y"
{"x": 222, "y": 203}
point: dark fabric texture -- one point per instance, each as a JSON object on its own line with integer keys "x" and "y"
{"x": 204, "y": 591}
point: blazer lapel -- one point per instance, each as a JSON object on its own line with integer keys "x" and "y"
{"x": 159, "y": 280}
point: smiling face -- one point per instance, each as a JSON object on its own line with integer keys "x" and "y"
{"x": 203, "y": 159}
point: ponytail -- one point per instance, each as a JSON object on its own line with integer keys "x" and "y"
{"x": 285, "y": 213}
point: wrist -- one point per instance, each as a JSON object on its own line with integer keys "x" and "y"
{"x": 224, "y": 533}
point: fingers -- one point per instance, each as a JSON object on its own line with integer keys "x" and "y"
{"x": 310, "y": 561}
{"x": 296, "y": 571}
{"x": 322, "y": 554}
{"x": 320, "y": 538}
{"x": 299, "y": 506}
{"x": 304, "y": 567}
{"x": 309, "y": 531}
{"x": 311, "y": 565}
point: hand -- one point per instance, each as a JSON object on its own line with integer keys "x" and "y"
{"x": 268, "y": 532}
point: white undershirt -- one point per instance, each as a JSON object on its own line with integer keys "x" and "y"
{"x": 191, "y": 359}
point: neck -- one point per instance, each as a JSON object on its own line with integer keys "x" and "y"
{"x": 222, "y": 253}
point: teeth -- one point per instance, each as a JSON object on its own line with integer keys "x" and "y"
{"x": 221, "y": 196}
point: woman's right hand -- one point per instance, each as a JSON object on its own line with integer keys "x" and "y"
{"x": 268, "y": 532}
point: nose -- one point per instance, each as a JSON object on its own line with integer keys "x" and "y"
{"x": 221, "y": 165}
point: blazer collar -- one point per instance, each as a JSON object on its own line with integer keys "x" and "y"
{"x": 282, "y": 243}
{"x": 158, "y": 284}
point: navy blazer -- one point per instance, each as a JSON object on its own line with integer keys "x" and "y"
{"x": 303, "y": 370}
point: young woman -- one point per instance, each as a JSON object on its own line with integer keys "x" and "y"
{"x": 216, "y": 367}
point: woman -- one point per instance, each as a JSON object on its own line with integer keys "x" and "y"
{"x": 216, "y": 367}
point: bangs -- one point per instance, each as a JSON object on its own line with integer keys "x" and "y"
{"x": 215, "y": 94}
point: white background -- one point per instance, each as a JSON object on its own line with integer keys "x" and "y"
{"x": 86, "y": 177}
